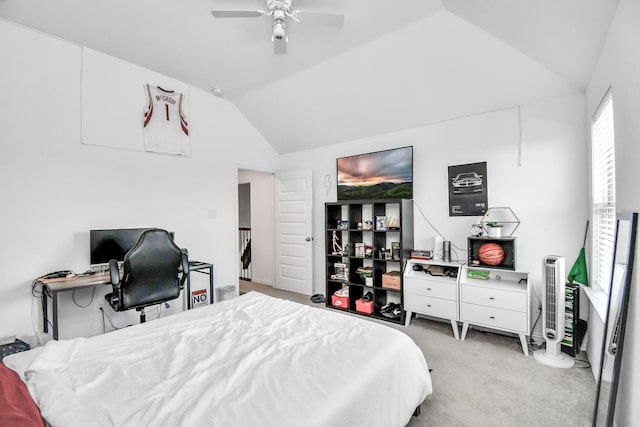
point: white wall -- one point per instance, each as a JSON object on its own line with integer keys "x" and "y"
{"x": 54, "y": 189}
{"x": 543, "y": 180}
{"x": 619, "y": 67}
{"x": 262, "y": 224}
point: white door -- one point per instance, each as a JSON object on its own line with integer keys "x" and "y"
{"x": 294, "y": 226}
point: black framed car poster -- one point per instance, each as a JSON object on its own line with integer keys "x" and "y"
{"x": 468, "y": 189}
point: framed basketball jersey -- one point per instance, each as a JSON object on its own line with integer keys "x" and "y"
{"x": 165, "y": 125}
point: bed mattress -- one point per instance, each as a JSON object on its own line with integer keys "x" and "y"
{"x": 250, "y": 361}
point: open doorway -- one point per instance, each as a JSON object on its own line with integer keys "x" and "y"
{"x": 255, "y": 228}
{"x": 244, "y": 230}
{"x": 280, "y": 213}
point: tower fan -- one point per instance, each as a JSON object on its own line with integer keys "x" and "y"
{"x": 553, "y": 305}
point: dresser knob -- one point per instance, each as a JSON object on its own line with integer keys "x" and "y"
{"x": 491, "y": 298}
{"x": 491, "y": 317}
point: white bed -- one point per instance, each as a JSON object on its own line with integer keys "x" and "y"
{"x": 250, "y": 361}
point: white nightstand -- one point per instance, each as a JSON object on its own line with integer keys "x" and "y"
{"x": 435, "y": 296}
{"x": 500, "y": 302}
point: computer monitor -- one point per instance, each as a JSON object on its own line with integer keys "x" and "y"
{"x": 114, "y": 243}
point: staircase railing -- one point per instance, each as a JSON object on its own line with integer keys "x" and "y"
{"x": 244, "y": 234}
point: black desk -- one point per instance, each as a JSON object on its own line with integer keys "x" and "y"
{"x": 204, "y": 268}
{"x": 52, "y": 287}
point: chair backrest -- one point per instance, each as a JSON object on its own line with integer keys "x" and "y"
{"x": 151, "y": 271}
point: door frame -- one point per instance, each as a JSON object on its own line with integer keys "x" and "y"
{"x": 237, "y": 220}
{"x": 275, "y": 240}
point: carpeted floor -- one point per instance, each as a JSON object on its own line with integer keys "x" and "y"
{"x": 486, "y": 380}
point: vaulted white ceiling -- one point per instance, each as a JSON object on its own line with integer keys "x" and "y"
{"x": 394, "y": 65}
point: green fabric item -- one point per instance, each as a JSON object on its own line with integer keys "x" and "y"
{"x": 578, "y": 273}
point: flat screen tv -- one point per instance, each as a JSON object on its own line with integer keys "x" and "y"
{"x": 384, "y": 174}
{"x": 106, "y": 245}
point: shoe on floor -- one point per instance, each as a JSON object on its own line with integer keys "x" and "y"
{"x": 317, "y": 298}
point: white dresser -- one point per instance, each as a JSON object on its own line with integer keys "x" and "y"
{"x": 500, "y": 301}
{"x": 432, "y": 295}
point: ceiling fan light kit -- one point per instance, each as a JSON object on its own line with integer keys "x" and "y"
{"x": 280, "y": 10}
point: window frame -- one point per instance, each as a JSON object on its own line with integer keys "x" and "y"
{"x": 603, "y": 192}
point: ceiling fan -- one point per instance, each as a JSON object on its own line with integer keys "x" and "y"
{"x": 280, "y": 10}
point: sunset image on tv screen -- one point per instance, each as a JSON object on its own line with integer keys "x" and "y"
{"x": 380, "y": 175}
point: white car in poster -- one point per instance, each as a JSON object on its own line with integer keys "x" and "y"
{"x": 467, "y": 182}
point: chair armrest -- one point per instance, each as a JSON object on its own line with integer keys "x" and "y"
{"x": 185, "y": 267}
{"x": 114, "y": 273}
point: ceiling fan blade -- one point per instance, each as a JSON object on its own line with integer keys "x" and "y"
{"x": 320, "y": 18}
{"x": 280, "y": 46}
{"x": 238, "y": 13}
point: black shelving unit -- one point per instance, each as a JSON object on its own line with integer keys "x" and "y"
{"x": 354, "y": 221}
{"x": 508, "y": 244}
{"x": 574, "y": 327}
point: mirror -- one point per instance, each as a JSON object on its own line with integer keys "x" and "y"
{"x": 615, "y": 322}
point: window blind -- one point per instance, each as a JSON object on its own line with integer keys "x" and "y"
{"x": 603, "y": 185}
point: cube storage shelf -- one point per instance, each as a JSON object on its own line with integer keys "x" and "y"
{"x": 364, "y": 236}
{"x": 508, "y": 244}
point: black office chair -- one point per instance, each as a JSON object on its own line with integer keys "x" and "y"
{"x": 155, "y": 270}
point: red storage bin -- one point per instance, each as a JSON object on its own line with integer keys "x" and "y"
{"x": 365, "y": 307}
{"x": 340, "y": 302}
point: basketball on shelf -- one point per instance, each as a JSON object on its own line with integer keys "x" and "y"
{"x": 491, "y": 254}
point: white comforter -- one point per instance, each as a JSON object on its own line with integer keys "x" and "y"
{"x": 250, "y": 361}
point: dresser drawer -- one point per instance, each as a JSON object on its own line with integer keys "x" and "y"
{"x": 431, "y": 306}
{"x": 430, "y": 288}
{"x": 500, "y": 298}
{"x": 497, "y": 318}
